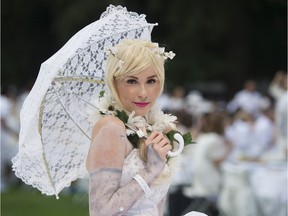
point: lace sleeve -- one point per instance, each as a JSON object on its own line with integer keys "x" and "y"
{"x": 108, "y": 147}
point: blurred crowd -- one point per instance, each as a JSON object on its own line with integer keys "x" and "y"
{"x": 239, "y": 144}
{"x": 10, "y": 106}
{"x": 238, "y": 166}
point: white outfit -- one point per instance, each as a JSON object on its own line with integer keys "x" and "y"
{"x": 246, "y": 100}
{"x": 276, "y": 91}
{"x": 263, "y": 136}
{"x": 164, "y": 101}
{"x": 269, "y": 184}
{"x": 207, "y": 177}
{"x": 176, "y": 104}
{"x": 240, "y": 134}
{"x": 146, "y": 205}
{"x": 281, "y": 121}
{"x": 9, "y": 141}
{"x": 236, "y": 197}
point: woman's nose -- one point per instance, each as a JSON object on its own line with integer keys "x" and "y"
{"x": 142, "y": 92}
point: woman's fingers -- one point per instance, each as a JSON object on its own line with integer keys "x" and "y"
{"x": 160, "y": 143}
{"x": 154, "y": 137}
{"x": 157, "y": 138}
{"x": 162, "y": 151}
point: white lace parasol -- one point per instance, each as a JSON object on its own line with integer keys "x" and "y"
{"x": 55, "y": 134}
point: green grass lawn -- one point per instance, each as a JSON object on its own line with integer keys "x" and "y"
{"x": 30, "y": 202}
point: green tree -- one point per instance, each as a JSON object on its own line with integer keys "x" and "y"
{"x": 213, "y": 40}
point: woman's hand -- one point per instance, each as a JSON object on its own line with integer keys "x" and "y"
{"x": 160, "y": 143}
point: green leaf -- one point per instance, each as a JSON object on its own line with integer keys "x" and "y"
{"x": 134, "y": 139}
{"x": 101, "y": 94}
{"x": 170, "y": 136}
{"x": 187, "y": 137}
{"x": 122, "y": 115}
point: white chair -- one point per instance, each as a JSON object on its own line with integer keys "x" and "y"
{"x": 236, "y": 197}
{"x": 269, "y": 185}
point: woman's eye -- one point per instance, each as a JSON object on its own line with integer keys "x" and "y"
{"x": 151, "y": 81}
{"x": 131, "y": 81}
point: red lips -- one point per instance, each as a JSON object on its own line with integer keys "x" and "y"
{"x": 141, "y": 104}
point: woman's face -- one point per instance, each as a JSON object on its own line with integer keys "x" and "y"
{"x": 139, "y": 92}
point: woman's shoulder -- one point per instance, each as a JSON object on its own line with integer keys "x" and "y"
{"x": 109, "y": 122}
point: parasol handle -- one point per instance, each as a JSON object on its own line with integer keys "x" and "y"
{"x": 180, "y": 140}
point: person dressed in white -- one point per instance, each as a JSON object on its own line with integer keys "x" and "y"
{"x": 281, "y": 124}
{"x": 130, "y": 175}
{"x": 248, "y": 100}
{"x": 9, "y": 134}
{"x": 263, "y": 136}
{"x": 240, "y": 133}
{"x": 278, "y": 89}
{"x": 208, "y": 154}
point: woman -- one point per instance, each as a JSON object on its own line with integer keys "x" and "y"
{"x": 130, "y": 177}
{"x": 206, "y": 157}
{"x": 211, "y": 151}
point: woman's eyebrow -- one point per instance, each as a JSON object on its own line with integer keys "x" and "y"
{"x": 153, "y": 76}
{"x": 134, "y": 77}
{"x": 131, "y": 77}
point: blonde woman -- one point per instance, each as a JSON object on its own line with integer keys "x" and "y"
{"x": 130, "y": 178}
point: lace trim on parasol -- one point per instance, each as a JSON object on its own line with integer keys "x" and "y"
{"x": 28, "y": 174}
{"x": 119, "y": 9}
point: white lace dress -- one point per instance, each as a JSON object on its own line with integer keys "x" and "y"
{"x": 146, "y": 205}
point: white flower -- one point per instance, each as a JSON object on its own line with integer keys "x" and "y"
{"x": 160, "y": 121}
{"x": 160, "y": 51}
{"x": 136, "y": 124}
{"x": 140, "y": 133}
{"x": 156, "y": 45}
{"x": 120, "y": 64}
{"x": 112, "y": 51}
{"x": 156, "y": 120}
{"x": 169, "y": 55}
{"x": 105, "y": 103}
{"x": 99, "y": 107}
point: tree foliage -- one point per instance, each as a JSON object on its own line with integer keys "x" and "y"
{"x": 213, "y": 40}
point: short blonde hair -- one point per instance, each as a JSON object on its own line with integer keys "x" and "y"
{"x": 130, "y": 57}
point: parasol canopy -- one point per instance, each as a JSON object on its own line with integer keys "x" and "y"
{"x": 55, "y": 133}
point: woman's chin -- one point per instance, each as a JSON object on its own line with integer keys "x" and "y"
{"x": 142, "y": 112}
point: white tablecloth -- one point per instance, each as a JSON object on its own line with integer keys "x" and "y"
{"x": 254, "y": 189}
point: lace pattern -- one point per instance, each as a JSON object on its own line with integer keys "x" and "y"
{"x": 55, "y": 133}
{"x": 114, "y": 9}
{"x": 147, "y": 205}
